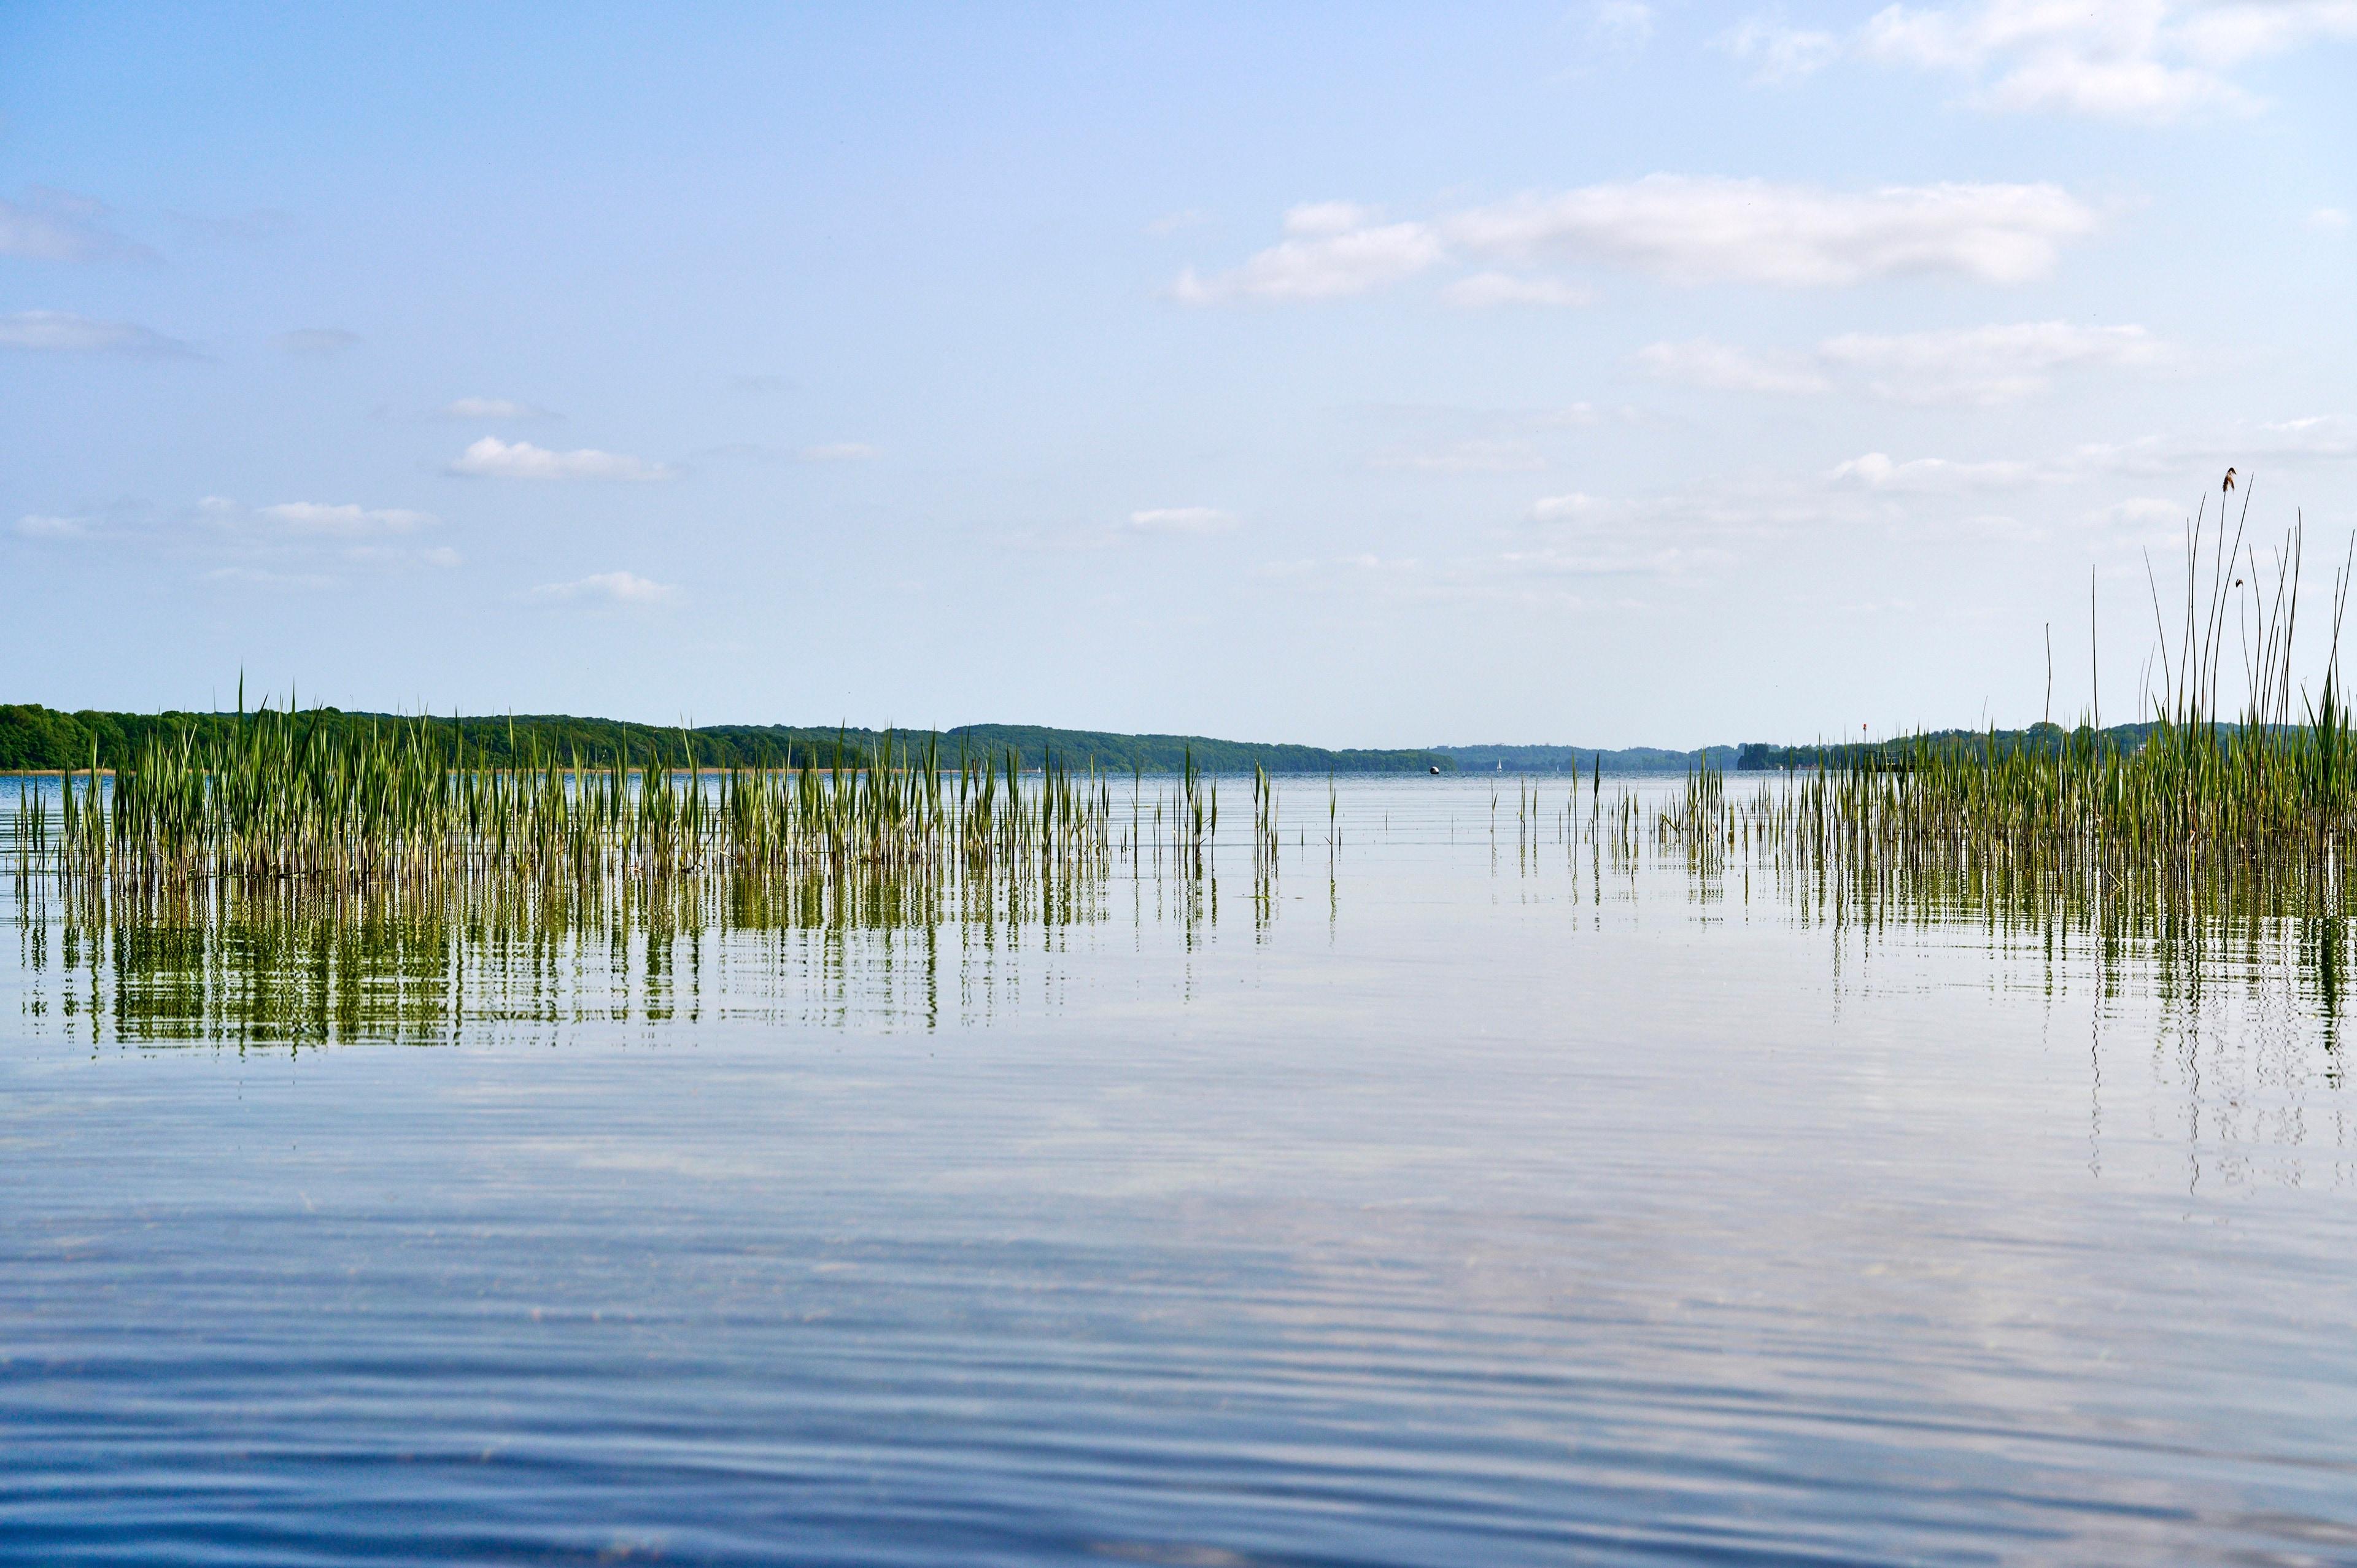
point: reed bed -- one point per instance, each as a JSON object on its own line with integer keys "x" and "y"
{"x": 317, "y": 887}
{"x": 2188, "y": 791}
{"x": 338, "y": 831}
{"x": 287, "y": 799}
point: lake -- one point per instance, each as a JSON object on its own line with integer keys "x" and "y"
{"x": 1458, "y": 1193}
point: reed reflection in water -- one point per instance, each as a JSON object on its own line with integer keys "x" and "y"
{"x": 230, "y": 961}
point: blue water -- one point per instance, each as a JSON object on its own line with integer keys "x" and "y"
{"x": 1474, "y": 1205}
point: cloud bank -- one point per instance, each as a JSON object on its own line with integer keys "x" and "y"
{"x": 2149, "y": 61}
{"x": 1678, "y": 229}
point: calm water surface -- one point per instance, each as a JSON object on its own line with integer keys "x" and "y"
{"x": 1476, "y": 1201}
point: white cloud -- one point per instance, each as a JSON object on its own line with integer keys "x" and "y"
{"x": 1683, "y": 229}
{"x": 1983, "y": 364}
{"x": 1561, "y": 508}
{"x": 313, "y": 517}
{"x": 1320, "y": 261}
{"x": 493, "y": 458}
{"x": 36, "y": 526}
{"x": 54, "y": 226}
{"x": 280, "y": 544}
{"x": 841, "y": 452}
{"x": 315, "y": 342}
{"x": 2114, "y": 90}
{"x": 1621, "y": 24}
{"x": 1182, "y": 520}
{"x": 618, "y": 588}
{"x": 493, "y": 408}
{"x": 1777, "y": 51}
{"x": 1722, "y": 367}
{"x": 1483, "y": 290}
{"x": 2131, "y": 60}
{"x": 1926, "y": 476}
{"x": 63, "y": 332}
{"x": 2328, "y": 220}
{"x": 1694, "y": 230}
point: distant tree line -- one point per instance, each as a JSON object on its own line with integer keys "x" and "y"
{"x": 1583, "y": 759}
{"x": 1760, "y": 756}
{"x": 35, "y": 738}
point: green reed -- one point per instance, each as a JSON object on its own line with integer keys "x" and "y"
{"x": 287, "y": 797}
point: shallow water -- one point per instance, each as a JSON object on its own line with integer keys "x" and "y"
{"x": 1477, "y": 1200}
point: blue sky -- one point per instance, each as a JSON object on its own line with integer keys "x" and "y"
{"x": 1603, "y": 373}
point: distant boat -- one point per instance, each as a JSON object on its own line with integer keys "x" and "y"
{"x": 1435, "y": 767}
